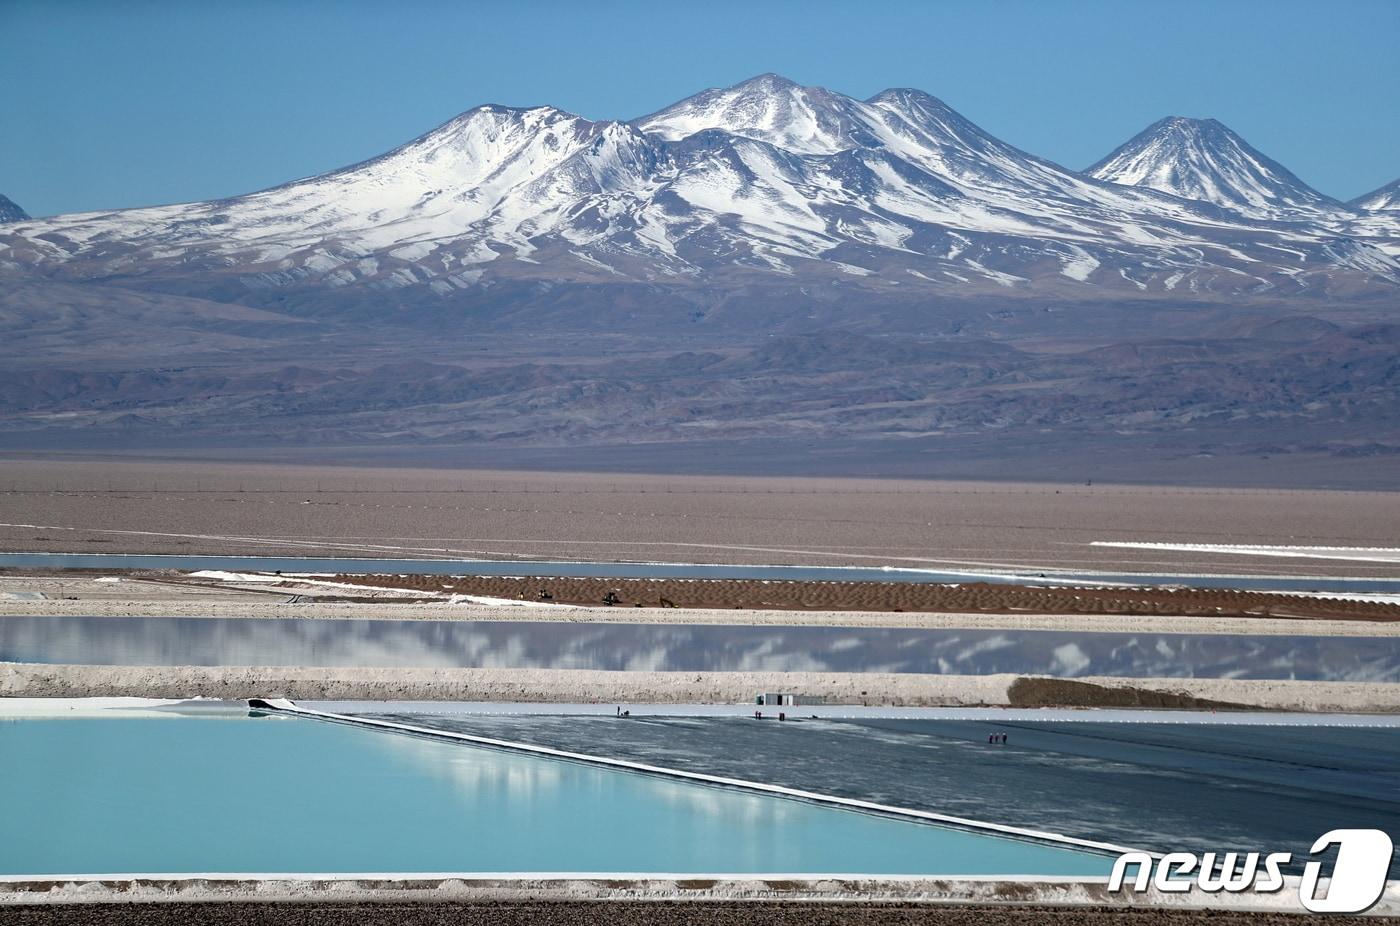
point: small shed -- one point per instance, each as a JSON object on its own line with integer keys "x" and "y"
{"x": 784, "y": 699}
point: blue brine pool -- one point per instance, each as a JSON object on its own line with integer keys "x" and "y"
{"x": 236, "y": 794}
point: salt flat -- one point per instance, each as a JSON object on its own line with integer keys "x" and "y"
{"x": 1350, "y": 554}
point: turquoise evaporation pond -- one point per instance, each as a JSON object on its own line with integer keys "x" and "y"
{"x": 234, "y": 794}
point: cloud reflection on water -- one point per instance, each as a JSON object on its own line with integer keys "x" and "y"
{"x": 507, "y": 644}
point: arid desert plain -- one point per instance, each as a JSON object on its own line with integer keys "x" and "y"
{"x": 252, "y": 510}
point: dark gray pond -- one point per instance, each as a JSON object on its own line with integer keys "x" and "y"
{"x": 676, "y": 571}
{"x": 1163, "y": 787}
{"x": 665, "y": 647}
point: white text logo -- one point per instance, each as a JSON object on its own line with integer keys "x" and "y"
{"x": 1354, "y": 885}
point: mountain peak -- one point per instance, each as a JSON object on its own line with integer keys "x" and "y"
{"x": 1188, "y": 124}
{"x": 472, "y": 144}
{"x": 923, "y": 109}
{"x": 10, "y": 211}
{"x": 1204, "y": 160}
{"x": 1385, "y": 199}
{"x": 768, "y": 108}
{"x": 496, "y": 114}
{"x": 768, "y": 81}
{"x": 907, "y": 96}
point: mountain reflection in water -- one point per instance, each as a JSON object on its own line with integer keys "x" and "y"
{"x": 661, "y": 647}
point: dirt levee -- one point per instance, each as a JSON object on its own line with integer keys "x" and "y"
{"x": 970, "y": 597}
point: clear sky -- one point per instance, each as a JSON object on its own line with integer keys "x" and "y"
{"x": 106, "y": 104}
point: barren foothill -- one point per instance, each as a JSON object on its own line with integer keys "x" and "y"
{"x": 127, "y": 506}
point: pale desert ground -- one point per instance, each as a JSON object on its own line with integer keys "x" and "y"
{"x": 571, "y": 686}
{"x": 189, "y": 508}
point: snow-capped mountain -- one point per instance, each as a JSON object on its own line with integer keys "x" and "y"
{"x": 10, "y": 211}
{"x": 1386, "y": 199}
{"x": 768, "y": 108}
{"x": 766, "y": 183}
{"x": 1202, "y": 159}
{"x": 768, "y": 269}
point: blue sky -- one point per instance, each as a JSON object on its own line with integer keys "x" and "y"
{"x": 110, "y": 104}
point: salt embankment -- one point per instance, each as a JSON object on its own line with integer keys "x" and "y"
{"x": 589, "y": 685}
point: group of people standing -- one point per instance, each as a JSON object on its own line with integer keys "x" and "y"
{"x": 998, "y": 739}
